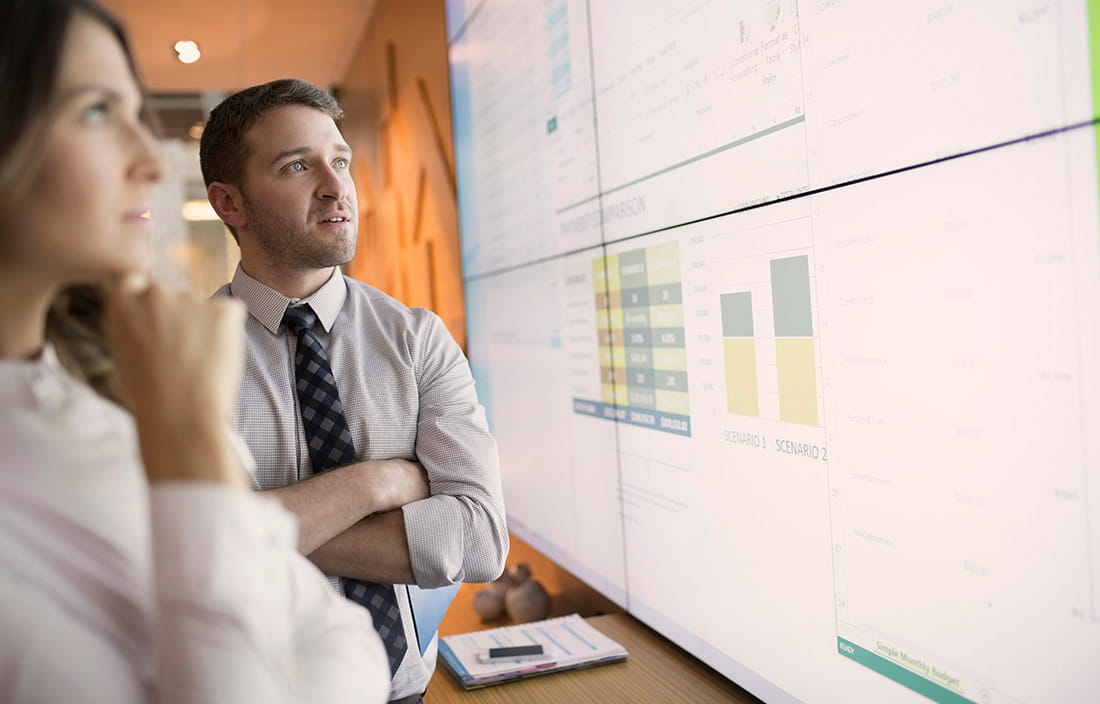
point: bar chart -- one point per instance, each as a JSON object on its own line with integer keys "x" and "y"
{"x": 794, "y": 344}
{"x": 739, "y": 350}
{"x": 768, "y": 342}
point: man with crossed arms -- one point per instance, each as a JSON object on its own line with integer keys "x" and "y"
{"x": 408, "y": 491}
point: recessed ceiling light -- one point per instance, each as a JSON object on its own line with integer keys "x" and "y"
{"x": 187, "y": 51}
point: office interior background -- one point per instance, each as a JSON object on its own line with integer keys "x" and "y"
{"x": 786, "y": 314}
{"x": 386, "y": 60}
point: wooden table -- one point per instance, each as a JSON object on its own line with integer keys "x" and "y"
{"x": 655, "y": 671}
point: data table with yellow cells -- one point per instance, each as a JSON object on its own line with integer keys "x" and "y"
{"x": 640, "y": 321}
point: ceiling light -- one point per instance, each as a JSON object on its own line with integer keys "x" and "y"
{"x": 187, "y": 51}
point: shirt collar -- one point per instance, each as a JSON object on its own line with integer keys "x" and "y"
{"x": 267, "y": 305}
{"x": 41, "y": 381}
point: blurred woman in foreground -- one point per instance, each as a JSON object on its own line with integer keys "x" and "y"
{"x": 135, "y": 564}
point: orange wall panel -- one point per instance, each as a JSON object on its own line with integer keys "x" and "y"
{"x": 396, "y": 96}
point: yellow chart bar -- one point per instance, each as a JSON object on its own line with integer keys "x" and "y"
{"x": 797, "y": 380}
{"x": 741, "y": 391}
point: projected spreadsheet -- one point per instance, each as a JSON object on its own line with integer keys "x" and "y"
{"x": 643, "y": 359}
{"x": 848, "y": 252}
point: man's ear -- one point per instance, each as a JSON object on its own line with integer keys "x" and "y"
{"x": 227, "y": 203}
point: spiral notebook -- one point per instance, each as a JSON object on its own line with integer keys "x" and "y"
{"x": 570, "y": 642}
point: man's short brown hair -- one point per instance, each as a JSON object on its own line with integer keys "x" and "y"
{"x": 223, "y": 149}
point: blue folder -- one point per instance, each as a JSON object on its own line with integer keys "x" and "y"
{"x": 428, "y": 608}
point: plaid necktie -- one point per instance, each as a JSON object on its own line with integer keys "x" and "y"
{"x": 330, "y": 445}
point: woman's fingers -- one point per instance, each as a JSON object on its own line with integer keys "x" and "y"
{"x": 179, "y": 360}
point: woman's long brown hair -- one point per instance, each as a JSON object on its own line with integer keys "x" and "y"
{"x": 32, "y": 37}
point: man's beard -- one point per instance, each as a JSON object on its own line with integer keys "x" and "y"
{"x": 296, "y": 246}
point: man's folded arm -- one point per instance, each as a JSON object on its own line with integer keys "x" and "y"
{"x": 330, "y": 503}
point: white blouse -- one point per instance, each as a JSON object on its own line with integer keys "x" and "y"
{"x": 189, "y": 592}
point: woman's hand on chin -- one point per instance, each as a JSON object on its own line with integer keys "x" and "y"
{"x": 179, "y": 360}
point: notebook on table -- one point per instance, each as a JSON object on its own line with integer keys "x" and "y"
{"x": 569, "y": 643}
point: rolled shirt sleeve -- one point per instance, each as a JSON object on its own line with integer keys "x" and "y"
{"x": 459, "y": 533}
